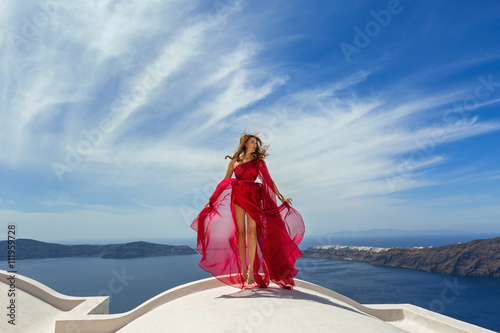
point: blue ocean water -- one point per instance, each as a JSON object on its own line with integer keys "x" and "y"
{"x": 130, "y": 282}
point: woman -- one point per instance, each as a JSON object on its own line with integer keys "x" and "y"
{"x": 272, "y": 233}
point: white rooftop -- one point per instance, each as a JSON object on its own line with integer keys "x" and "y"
{"x": 210, "y": 306}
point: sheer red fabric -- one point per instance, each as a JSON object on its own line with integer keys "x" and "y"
{"x": 280, "y": 229}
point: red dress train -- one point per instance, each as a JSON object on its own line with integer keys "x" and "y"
{"x": 279, "y": 230}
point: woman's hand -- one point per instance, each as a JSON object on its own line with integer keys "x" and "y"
{"x": 206, "y": 205}
{"x": 287, "y": 200}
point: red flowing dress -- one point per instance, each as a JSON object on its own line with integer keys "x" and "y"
{"x": 279, "y": 230}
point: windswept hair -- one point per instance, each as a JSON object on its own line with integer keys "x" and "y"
{"x": 259, "y": 153}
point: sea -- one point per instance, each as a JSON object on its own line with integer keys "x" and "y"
{"x": 130, "y": 282}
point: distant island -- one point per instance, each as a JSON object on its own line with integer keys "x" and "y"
{"x": 31, "y": 249}
{"x": 479, "y": 257}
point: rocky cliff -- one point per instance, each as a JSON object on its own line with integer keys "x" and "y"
{"x": 29, "y": 249}
{"x": 479, "y": 257}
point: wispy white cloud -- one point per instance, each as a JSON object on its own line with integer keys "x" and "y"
{"x": 82, "y": 224}
{"x": 9, "y": 202}
{"x": 151, "y": 96}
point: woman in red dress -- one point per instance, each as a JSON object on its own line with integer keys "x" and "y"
{"x": 272, "y": 232}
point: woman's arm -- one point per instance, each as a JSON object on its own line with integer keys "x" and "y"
{"x": 230, "y": 169}
{"x": 229, "y": 173}
{"x": 282, "y": 199}
{"x": 266, "y": 179}
{"x": 276, "y": 189}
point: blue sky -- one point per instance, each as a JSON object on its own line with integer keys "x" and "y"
{"x": 117, "y": 115}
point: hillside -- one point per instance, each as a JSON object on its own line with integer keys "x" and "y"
{"x": 479, "y": 257}
{"x": 30, "y": 249}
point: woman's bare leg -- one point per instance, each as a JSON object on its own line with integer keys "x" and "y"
{"x": 239, "y": 214}
{"x": 252, "y": 246}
